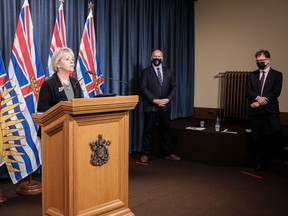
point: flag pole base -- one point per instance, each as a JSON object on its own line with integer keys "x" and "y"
{"x": 29, "y": 187}
{"x": 3, "y": 197}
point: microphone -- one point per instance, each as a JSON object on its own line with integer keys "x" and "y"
{"x": 90, "y": 72}
{"x": 93, "y": 73}
{"x": 87, "y": 72}
{"x": 101, "y": 95}
{"x": 111, "y": 94}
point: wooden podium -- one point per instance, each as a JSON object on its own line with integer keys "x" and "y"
{"x": 85, "y": 156}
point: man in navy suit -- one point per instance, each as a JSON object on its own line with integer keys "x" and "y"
{"x": 263, "y": 89}
{"x": 157, "y": 91}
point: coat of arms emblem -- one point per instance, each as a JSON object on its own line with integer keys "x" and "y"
{"x": 100, "y": 154}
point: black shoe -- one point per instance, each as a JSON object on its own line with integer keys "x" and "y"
{"x": 257, "y": 168}
{"x": 173, "y": 157}
{"x": 144, "y": 159}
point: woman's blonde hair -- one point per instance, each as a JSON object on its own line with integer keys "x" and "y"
{"x": 57, "y": 56}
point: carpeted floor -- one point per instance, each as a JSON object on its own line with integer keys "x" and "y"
{"x": 206, "y": 183}
{"x": 183, "y": 188}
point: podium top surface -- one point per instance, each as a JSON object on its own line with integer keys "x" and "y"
{"x": 81, "y": 106}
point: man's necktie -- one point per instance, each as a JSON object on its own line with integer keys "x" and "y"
{"x": 159, "y": 76}
{"x": 261, "y": 82}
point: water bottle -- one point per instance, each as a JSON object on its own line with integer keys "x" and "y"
{"x": 217, "y": 124}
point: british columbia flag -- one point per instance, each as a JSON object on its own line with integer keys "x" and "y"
{"x": 88, "y": 60}
{"x": 3, "y": 76}
{"x": 25, "y": 76}
{"x": 59, "y": 38}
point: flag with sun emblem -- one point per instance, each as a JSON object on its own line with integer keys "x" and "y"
{"x": 58, "y": 37}
{"x": 3, "y": 76}
{"x": 88, "y": 60}
{"x": 25, "y": 76}
{"x": 6, "y": 118}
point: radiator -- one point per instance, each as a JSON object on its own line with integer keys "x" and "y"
{"x": 234, "y": 102}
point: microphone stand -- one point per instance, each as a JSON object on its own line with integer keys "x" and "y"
{"x": 100, "y": 95}
{"x": 120, "y": 81}
{"x": 115, "y": 80}
{"x": 111, "y": 94}
{"x": 87, "y": 72}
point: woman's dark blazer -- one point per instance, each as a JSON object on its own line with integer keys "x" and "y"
{"x": 52, "y": 92}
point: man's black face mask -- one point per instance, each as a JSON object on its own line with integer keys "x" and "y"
{"x": 156, "y": 62}
{"x": 261, "y": 65}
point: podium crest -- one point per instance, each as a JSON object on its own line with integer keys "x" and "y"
{"x": 100, "y": 154}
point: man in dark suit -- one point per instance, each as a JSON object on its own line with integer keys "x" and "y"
{"x": 157, "y": 91}
{"x": 263, "y": 89}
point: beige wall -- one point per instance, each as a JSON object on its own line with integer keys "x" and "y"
{"x": 227, "y": 35}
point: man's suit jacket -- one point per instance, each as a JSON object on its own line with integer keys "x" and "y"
{"x": 151, "y": 88}
{"x": 271, "y": 90}
{"x": 52, "y": 92}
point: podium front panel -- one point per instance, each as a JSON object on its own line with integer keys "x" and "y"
{"x": 105, "y": 183}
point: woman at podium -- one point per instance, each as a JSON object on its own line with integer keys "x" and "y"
{"x": 60, "y": 86}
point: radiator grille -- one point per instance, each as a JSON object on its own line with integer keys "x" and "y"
{"x": 233, "y": 99}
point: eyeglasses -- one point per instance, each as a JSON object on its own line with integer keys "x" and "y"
{"x": 261, "y": 60}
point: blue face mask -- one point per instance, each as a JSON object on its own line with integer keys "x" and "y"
{"x": 261, "y": 65}
{"x": 156, "y": 62}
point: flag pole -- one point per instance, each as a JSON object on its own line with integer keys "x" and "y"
{"x": 29, "y": 187}
{"x": 95, "y": 79}
{"x": 3, "y": 196}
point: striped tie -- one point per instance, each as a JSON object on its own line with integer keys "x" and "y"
{"x": 261, "y": 82}
{"x": 159, "y": 76}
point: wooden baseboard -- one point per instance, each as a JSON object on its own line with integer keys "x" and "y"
{"x": 284, "y": 118}
{"x": 206, "y": 113}
{"x": 211, "y": 113}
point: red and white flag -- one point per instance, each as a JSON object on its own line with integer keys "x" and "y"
{"x": 25, "y": 76}
{"x": 3, "y": 76}
{"x": 58, "y": 38}
{"x": 3, "y": 73}
{"x": 88, "y": 60}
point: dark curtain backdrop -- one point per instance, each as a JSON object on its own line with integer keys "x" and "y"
{"x": 127, "y": 32}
